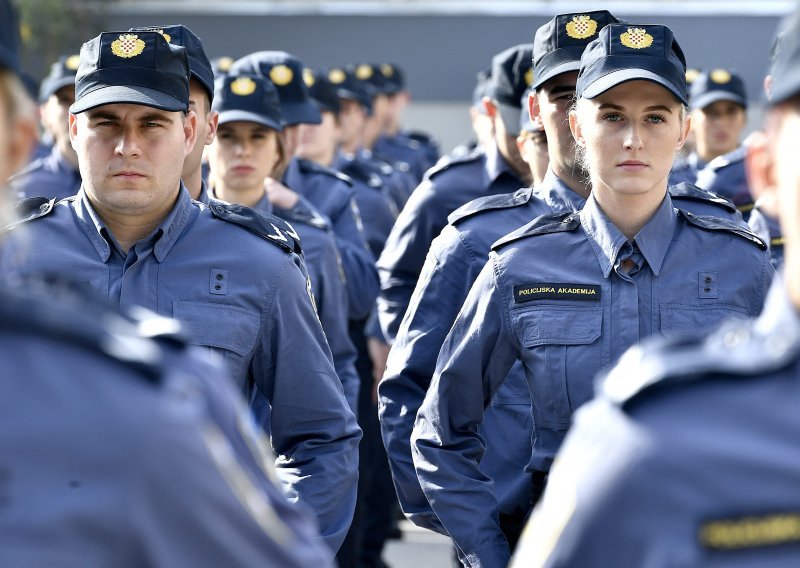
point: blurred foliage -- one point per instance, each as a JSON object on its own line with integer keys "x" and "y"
{"x": 50, "y": 28}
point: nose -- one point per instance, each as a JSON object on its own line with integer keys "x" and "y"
{"x": 633, "y": 138}
{"x": 129, "y": 143}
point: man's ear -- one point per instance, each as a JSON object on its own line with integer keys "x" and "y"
{"x": 213, "y": 123}
{"x": 534, "y": 110}
{"x": 489, "y": 107}
{"x": 190, "y": 131}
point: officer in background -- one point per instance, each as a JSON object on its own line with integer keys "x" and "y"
{"x": 651, "y": 473}
{"x": 567, "y": 294}
{"x": 454, "y": 261}
{"x": 233, "y": 277}
{"x": 498, "y": 169}
{"x": 326, "y": 189}
{"x": 532, "y": 142}
{"x": 479, "y": 120}
{"x": 148, "y": 471}
{"x": 55, "y": 174}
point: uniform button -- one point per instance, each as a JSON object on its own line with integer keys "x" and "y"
{"x": 707, "y": 281}
{"x": 219, "y": 276}
{"x": 217, "y": 287}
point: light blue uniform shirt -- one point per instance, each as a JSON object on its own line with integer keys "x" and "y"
{"x": 567, "y": 295}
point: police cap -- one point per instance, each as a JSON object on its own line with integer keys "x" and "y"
{"x": 717, "y": 85}
{"x": 786, "y": 61}
{"x": 247, "y": 98}
{"x": 511, "y": 76}
{"x": 62, "y": 74}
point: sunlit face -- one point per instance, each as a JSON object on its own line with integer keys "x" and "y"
{"x": 318, "y": 141}
{"x": 352, "y": 118}
{"x": 551, "y": 103}
{"x": 206, "y": 126}
{"x": 718, "y": 128}
{"x": 785, "y": 127}
{"x": 533, "y": 149}
{"x": 243, "y": 155}
{"x": 55, "y": 117}
{"x": 630, "y": 134}
{"x": 506, "y": 140}
{"x": 128, "y": 153}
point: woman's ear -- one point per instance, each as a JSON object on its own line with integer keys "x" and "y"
{"x": 575, "y": 128}
{"x": 686, "y": 128}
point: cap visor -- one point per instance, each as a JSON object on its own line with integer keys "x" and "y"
{"x": 551, "y": 72}
{"x": 300, "y": 113}
{"x": 611, "y": 80}
{"x": 787, "y": 87}
{"x": 245, "y": 116}
{"x": 511, "y": 116}
{"x": 715, "y": 96}
{"x": 53, "y": 87}
{"x": 127, "y": 95}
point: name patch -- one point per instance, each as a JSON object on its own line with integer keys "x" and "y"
{"x": 549, "y": 291}
{"x": 750, "y": 532}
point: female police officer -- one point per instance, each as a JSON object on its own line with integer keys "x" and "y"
{"x": 568, "y": 294}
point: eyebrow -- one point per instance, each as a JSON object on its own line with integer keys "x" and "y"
{"x": 648, "y": 109}
{"x": 108, "y": 115}
{"x": 562, "y": 89}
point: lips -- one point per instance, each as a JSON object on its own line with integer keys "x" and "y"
{"x": 242, "y": 169}
{"x": 632, "y": 165}
{"x": 127, "y": 174}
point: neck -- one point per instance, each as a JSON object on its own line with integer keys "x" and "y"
{"x": 351, "y": 146}
{"x": 393, "y": 128}
{"x": 194, "y": 182}
{"x": 69, "y": 154}
{"x": 573, "y": 177}
{"x": 130, "y": 228}
{"x": 629, "y": 213}
{"x": 324, "y": 158}
{"x": 705, "y": 153}
{"x": 241, "y": 196}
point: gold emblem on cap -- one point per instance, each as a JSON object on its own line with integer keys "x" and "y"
{"x": 363, "y": 72}
{"x": 529, "y": 77}
{"x": 337, "y": 76}
{"x": 72, "y": 62}
{"x": 387, "y": 70}
{"x": 636, "y": 38}
{"x": 243, "y": 86}
{"x": 166, "y": 36}
{"x": 720, "y": 76}
{"x": 691, "y": 75}
{"x": 224, "y": 63}
{"x": 308, "y": 77}
{"x": 127, "y": 46}
{"x": 281, "y": 75}
{"x": 581, "y": 27}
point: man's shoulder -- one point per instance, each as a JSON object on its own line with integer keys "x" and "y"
{"x": 492, "y": 203}
{"x": 267, "y": 228}
{"x": 454, "y": 166}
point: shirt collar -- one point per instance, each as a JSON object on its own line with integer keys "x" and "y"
{"x": 495, "y": 165}
{"x": 558, "y": 196}
{"x": 164, "y": 236}
{"x": 606, "y": 239}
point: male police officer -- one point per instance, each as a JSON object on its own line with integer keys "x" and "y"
{"x": 452, "y": 184}
{"x": 138, "y": 440}
{"x": 688, "y": 455}
{"x": 55, "y": 174}
{"x": 134, "y": 235}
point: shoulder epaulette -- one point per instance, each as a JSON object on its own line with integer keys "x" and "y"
{"x": 359, "y": 172}
{"x": 542, "y": 225}
{"x": 268, "y": 227}
{"x": 307, "y": 166}
{"x": 447, "y": 162}
{"x": 304, "y": 216}
{"x": 735, "y": 349}
{"x": 29, "y": 209}
{"x": 490, "y": 202}
{"x": 709, "y": 223}
{"x": 686, "y": 190}
{"x": 31, "y": 167}
{"x": 422, "y": 137}
{"x": 731, "y": 157}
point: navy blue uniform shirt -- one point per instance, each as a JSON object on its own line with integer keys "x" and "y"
{"x": 687, "y": 457}
{"x": 50, "y": 176}
{"x": 566, "y": 295}
{"x": 443, "y": 191}
{"x": 726, "y": 176}
{"x": 332, "y": 195}
{"x": 123, "y": 447}
{"x": 238, "y": 296}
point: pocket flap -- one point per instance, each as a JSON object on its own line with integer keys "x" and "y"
{"x": 218, "y": 325}
{"x": 560, "y": 325}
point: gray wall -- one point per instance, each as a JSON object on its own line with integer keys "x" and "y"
{"x": 442, "y": 53}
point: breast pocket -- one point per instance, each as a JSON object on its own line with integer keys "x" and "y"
{"x": 229, "y": 330}
{"x": 683, "y": 320}
{"x": 561, "y": 349}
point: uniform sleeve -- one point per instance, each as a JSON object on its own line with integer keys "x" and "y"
{"x": 196, "y": 497}
{"x": 357, "y": 261}
{"x": 403, "y": 256}
{"x": 443, "y": 285}
{"x": 332, "y": 305}
{"x": 475, "y": 358}
{"x": 313, "y": 431}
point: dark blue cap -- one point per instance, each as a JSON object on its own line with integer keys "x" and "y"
{"x": 786, "y": 60}
{"x": 559, "y": 44}
{"x": 286, "y": 73}
{"x": 221, "y": 65}
{"x": 481, "y": 83}
{"x": 9, "y": 36}
{"x": 247, "y": 98}
{"x": 717, "y": 85}
{"x": 512, "y": 75}
{"x": 62, "y": 74}
{"x": 371, "y": 73}
{"x": 348, "y": 86}
{"x": 199, "y": 65}
{"x": 322, "y": 91}
{"x": 139, "y": 68}
{"x": 624, "y": 53}
{"x": 395, "y": 78}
